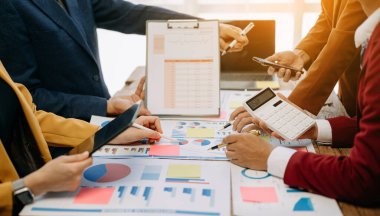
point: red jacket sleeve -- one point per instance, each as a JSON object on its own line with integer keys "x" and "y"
{"x": 355, "y": 178}
{"x": 343, "y": 131}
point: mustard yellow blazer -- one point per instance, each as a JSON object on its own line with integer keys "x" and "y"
{"x": 331, "y": 47}
{"x": 47, "y": 128}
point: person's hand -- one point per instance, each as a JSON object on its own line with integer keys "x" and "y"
{"x": 312, "y": 133}
{"x": 228, "y": 33}
{"x": 247, "y": 150}
{"x": 133, "y": 134}
{"x": 122, "y": 101}
{"x": 61, "y": 174}
{"x": 289, "y": 58}
{"x": 241, "y": 119}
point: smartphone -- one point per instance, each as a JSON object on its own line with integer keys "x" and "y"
{"x": 277, "y": 66}
{"x": 108, "y": 132}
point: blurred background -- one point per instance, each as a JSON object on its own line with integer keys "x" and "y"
{"x": 121, "y": 53}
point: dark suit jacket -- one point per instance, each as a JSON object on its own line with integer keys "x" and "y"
{"x": 56, "y": 55}
{"x": 355, "y": 178}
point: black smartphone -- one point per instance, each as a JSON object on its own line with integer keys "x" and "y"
{"x": 108, "y": 132}
{"x": 277, "y": 66}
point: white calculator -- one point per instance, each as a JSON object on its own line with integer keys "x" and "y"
{"x": 280, "y": 116}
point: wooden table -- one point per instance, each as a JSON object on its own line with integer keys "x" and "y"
{"x": 347, "y": 209}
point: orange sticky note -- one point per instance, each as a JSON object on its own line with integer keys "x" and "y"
{"x": 259, "y": 194}
{"x": 302, "y": 149}
{"x": 164, "y": 150}
{"x": 96, "y": 196}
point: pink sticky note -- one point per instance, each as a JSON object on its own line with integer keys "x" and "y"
{"x": 164, "y": 150}
{"x": 98, "y": 196}
{"x": 259, "y": 194}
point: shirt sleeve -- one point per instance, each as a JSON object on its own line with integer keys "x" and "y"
{"x": 324, "y": 131}
{"x": 278, "y": 160}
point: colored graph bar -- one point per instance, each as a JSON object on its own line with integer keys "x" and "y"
{"x": 147, "y": 193}
{"x": 293, "y": 190}
{"x": 187, "y": 190}
{"x": 206, "y": 192}
{"x": 151, "y": 173}
{"x": 183, "y": 180}
{"x": 303, "y": 204}
{"x": 168, "y": 189}
{"x": 134, "y": 190}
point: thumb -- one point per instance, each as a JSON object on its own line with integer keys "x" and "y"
{"x": 74, "y": 158}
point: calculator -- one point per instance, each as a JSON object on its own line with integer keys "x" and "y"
{"x": 280, "y": 116}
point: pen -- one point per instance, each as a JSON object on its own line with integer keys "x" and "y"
{"x": 148, "y": 129}
{"x": 221, "y": 145}
{"x": 227, "y": 125}
{"x": 243, "y": 33}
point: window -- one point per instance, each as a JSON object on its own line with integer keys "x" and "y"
{"x": 120, "y": 54}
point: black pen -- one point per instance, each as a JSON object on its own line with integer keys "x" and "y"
{"x": 227, "y": 125}
{"x": 221, "y": 145}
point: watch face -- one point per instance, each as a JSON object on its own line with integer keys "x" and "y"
{"x": 25, "y": 197}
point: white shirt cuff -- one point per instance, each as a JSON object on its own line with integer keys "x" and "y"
{"x": 278, "y": 160}
{"x": 324, "y": 131}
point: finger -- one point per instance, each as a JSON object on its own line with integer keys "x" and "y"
{"x": 149, "y": 134}
{"x": 74, "y": 158}
{"x": 265, "y": 127}
{"x": 237, "y": 111}
{"x": 230, "y": 148}
{"x": 223, "y": 45}
{"x": 144, "y": 111}
{"x": 272, "y": 58}
{"x": 154, "y": 123}
{"x": 236, "y": 123}
{"x": 271, "y": 70}
{"x": 274, "y": 134}
{"x": 140, "y": 86}
{"x": 244, "y": 115}
{"x": 281, "y": 72}
{"x": 244, "y": 122}
{"x": 231, "y": 139}
{"x": 288, "y": 74}
{"x": 82, "y": 165}
{"x": 297, "y": 77}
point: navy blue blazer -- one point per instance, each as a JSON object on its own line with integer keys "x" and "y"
{"x": 55, "y": 54}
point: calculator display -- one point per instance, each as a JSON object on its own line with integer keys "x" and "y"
{"x": 261, "y": 99}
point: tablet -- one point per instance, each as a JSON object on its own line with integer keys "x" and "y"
{"x": 108, "y": 132}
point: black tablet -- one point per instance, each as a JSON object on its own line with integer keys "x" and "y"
{"x": 108, "y": 132}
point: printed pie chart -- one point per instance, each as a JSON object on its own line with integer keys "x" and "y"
{"x": 202, "y": 142}
{"x": 107, "y": 172}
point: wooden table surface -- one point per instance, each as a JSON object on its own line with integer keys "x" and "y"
{"x": 347, "y": 209}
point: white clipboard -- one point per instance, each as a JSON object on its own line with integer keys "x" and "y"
{"x": 183, "y": 68}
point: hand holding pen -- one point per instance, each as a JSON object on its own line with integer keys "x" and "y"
{"x": 234, "y": 42}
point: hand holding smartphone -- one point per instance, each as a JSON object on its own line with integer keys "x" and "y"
{"x": 277, "y": 66}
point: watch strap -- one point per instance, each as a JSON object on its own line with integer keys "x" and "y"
{"x": 18, "y": 184}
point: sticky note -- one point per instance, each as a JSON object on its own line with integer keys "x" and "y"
{"x": 184, "y": 171}
{"x": 200, "y": 133}
{"x": 96, "y": 196}
{"x": 234, "y": 104}
{"x": 164, "y": 150}
{"x": 265, "y": 84}
{"x": 259, "y": 194}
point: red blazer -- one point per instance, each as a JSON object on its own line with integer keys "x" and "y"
{"x": 355, "y": 178}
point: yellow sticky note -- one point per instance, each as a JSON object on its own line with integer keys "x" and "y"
{"x": 200, "y": 133}
{"x": 234, "y": 104}
{"x": 265, "y": 84}
{"x": 184, "y": 171}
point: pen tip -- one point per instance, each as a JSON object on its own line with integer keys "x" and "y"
{"x": 223, "y": 53}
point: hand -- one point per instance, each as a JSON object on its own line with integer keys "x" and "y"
{"x": 289, "y": 58}
{"x": 122, "y": 101}
{"x": 61, "y": 174}
{"x": 133, "y": 134}
{"x": 228, "y": 33}
{"x": 247, "y": 150}
{"x": 241, "y": 119}
{"x": 312, "y": 133}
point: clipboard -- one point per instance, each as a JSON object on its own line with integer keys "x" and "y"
{"x": 183, "y": 68}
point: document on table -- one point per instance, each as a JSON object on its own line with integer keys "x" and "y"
{"x": 259, "y": 193}
{"x": 143, "y": 187}
{"x": 183, "y": 68}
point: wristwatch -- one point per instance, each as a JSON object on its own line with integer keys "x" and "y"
{"x": 22, "y": 192}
